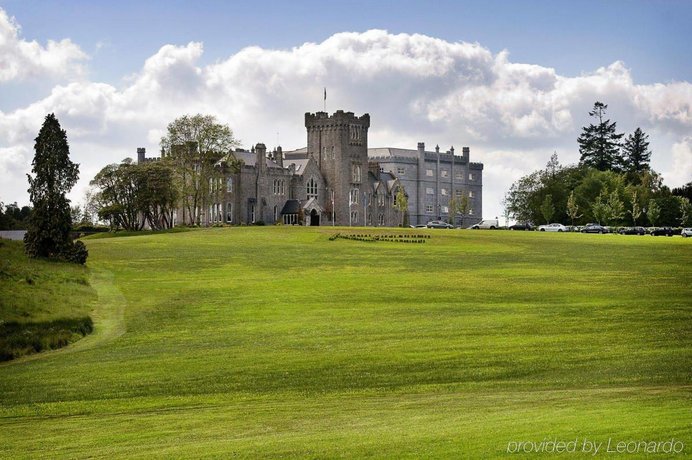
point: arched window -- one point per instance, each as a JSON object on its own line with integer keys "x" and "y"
{"x": 312, "y": 188}
{"x": 356, "y": 174}
{"x": 229, "y": 184}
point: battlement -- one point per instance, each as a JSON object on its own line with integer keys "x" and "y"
{"x": 338, "y": 118}
{"x": 477, "y": 166}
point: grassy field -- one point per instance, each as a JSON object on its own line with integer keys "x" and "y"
{"x": 277, "y": 342}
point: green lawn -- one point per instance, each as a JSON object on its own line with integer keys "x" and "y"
{"x": 275, "y": 342}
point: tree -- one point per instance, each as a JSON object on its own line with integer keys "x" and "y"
{"x": 547, "y": 208}
{"x": 635, "y": 209}
{"x": 117, "y": 198}
{"x": 599, "y": 208}
{"x": 635, "y": 152}
{"x": 458, "y": 205}
{"x": 573, "y": 208}
{"x": 194, "y": 144}
{"x": 599, "y": 145}
{"x": 653, "y": 213}
{"x": 616, "y": 208}
{"x": 48, "y": 233}
{"x": 685, "y": 211}
{"x": 684, "y": 191}
{"x": 401, "y": 203}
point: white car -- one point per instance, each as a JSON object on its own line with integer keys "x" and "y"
{"x": 552, "y": 228}
{"x": 490, "y": 224}
{"x": 686, "y": 232}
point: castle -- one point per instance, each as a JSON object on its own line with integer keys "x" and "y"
{"x": 338, "y": 180}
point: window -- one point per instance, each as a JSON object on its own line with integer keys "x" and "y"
{"x": 459, "y": 175}
{"x": 470, "y": 193}
{"x": 445, "y": 209}
{"x": 470, "y": 212}
{"x": 380, "y": 219}
{"x": 459, "y": 193}
{"x": 470, "y": 176}
{"x": 429, "y": 172}
{"x": 429, "y": 191}
{"x": 279, "y": 188}
{"x": 354, "y": 217}
{"x": 429, "y": 208}
{"x": 356, "y": 174}
{"x": 380, "y": 199}
{"x": 401, "y": 171}
{"x": 229, "y": 184}
{"x": 252, "y": 213}
{"x": 444, "y": 173}
{"x": 276, "y": 213}
{"x": 229, "y": 212}
{"x": 443, "y": 192}
{"x": 353, "y": 199}
{"x": 312, "y": 188}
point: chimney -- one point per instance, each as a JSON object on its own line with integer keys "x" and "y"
{"x": 465, "y": 152}
{"x": 261, "y": 151}
{"x": 279, "y": 157}
{"x": 421, "y": 148}
{"x": 141, "y": 154}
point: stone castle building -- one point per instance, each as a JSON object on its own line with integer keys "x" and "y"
{"x": 338, "y": 180}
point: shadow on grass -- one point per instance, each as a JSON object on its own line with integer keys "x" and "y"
{"x": 20, "y": 339}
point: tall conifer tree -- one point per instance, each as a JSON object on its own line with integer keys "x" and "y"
{"x": 599, "y": 144}
{"x": 48, "y": 233}
{"x": 636, "y": 153}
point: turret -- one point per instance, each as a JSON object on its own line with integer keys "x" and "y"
{"x": 141, "y": 155}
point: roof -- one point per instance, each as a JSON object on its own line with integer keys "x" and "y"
{"x": 291, "y": 207}
{"x": 301, "y": 165}
{"x": 297, "y": 154}
{"x": 392, "y": 152}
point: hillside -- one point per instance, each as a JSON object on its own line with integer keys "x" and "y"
{"x": 43, "y": 305}
{"x": 276, "y": 341}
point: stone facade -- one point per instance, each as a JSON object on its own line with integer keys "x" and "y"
{"x": 337, "y": 180}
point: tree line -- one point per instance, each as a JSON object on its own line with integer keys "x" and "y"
{"x": 613, "y": 184}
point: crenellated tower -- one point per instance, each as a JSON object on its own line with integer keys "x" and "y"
{"x": 339, "y": 145}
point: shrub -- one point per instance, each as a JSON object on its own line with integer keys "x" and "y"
{"x": 76, "y": 253}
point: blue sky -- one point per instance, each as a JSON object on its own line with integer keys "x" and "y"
{"x": 422, "y": 79}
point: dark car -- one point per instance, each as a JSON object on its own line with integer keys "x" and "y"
{"x": 594, "y": 228}
{"x": 661, "y": 231}
{"x": 632, "y": 231}
{"x": 525, "y": 226}
{"x": 439, "y": 224}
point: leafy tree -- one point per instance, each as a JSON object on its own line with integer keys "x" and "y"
{"x": 653, "y": 212}
{"x": 599, "y": 208}
{"x": 522, "y": 199}
{"x": 685, "y": 211}
{"x": 599, "y": 144}
{"x": 194, "y": 144}
{"x": 684, "y": 191}
{"x": 616, "y": 208}
{"x": 573, "y": 208}
{"x": 547, "y": 208}
{"x": 635, "y": 209}
{"x": 156, "y": 194}
{"x": 401, "y": 203}
{"x": 48, "y": 233}
{"x": 458, "y": 206}
{"x": 117, "y": 198}
{"x": 636, "y": 153}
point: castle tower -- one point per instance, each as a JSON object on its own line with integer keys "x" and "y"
{"x": 141, "y": 155}
{"x": 339, "y": 145}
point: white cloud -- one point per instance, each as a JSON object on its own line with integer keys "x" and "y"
{"x": 416, "y": 88}
{"x": 23, "y": 59}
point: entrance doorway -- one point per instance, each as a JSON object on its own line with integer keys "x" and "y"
{"x": 314, "y": 218}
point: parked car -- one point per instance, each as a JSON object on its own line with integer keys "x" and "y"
{"x": 594, "y": 228}
{"x": 552, "y": 228}
{"x": 686, "y": 232}
{"x": 525, "y": 226}
{"x": 439, "y": 224}
{"x": 489, "y": 224}
{"x": 632, "y": 231}
{"x": 661, "y": 231}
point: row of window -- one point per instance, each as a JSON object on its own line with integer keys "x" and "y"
{"x": 279, "y": 187}
{"x": 429, "y": 209}
{"x": 445, "y": 192}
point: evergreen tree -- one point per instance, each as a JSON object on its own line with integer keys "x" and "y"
{"x": 599, "y": 145}
{"x": 48, "y": 233}
{"x": 635, "y": 152}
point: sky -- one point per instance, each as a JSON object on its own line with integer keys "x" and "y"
{"x": 514, "y": 81}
